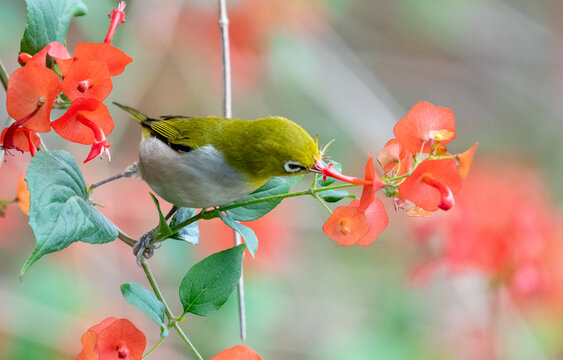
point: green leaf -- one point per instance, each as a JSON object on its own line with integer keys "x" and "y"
{"x": 145, "y": 300}
{"x": 247, "y": 233}
{"x": 47, "y": 21}
{"x": 210, "y": 282}
{"x": 274, "y": 186}
{"x": 333, "y": 196}
{"x": 329, "y": 180}
{"x": 60, "y": 212}
{"x": 188, "y": 233}
{"x": 163, "y": 231}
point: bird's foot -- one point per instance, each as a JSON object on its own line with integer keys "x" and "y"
{"x": 144, "y": 248}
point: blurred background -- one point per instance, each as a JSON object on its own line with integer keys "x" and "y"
{"x": 483, "y": 281}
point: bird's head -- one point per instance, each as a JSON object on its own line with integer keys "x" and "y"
{"x": 273, "y": 146}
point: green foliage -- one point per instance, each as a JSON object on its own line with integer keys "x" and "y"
{"x": 210, "y": 282}
{"x": 274, "y": 186}
{"x": 188, "y": 233}
{"x": 333, "y": 196}
{"x": 163, "y": 231}
{"x": 145, "y": 300}
{"x": 47, "y": 21}
{"x": 247, "y": 233}
{"x": 60, "y": 212}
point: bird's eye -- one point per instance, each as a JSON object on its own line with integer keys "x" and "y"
{"x": 292, "y": 166}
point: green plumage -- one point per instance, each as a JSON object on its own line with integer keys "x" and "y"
{"x": 260, "y": 149}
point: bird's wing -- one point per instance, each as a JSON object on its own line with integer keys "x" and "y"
{"x": 175, "y": 132}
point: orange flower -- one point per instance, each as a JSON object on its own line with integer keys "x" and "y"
{"x": 465, "y": 160}
{"x": 239, "y": 352}
{"x": 395, "y": 157}
{"x": 22, "y": 195}
{"x": 31, "y": 92}
{"x": 348, "y": 225}
{"x": 425, "y": 125}
{"x": 432, "y": 184}
{"x": 21, "y": 138}
{"x": 363, "y": 220}
{"x": 87, "y": 121}
{"x": 115, "y": 59}
{"x": 113, "y": 339}
{"x": 87, "y": 79}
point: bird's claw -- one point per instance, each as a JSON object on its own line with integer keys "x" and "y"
{"x": 144, "y": 247}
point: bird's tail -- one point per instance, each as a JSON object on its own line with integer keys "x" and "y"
{"x": 141, "y": 119}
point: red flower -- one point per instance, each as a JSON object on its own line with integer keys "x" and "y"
{"x": 425, "y": 124}
{"x": 117, "y": 17}
{"x": 115, "y": 59}
{"x": 87, "y": 79}
{"x": 507, "y": 229}
{"x": 394, "y": 156}
{"x": 348, "y": 225}
{"x": 61, "y": 55}
{"x": 22, "y": 195}
{"x": 465, "y": 160}
{"x": 363, "y": 220}
{"x": 432, "y": 184}
{"x": 87, "y": 121}
{"x": 239, "y": 352}
{"x": 112, "y": 339}
{"x": 22, "y": 139}
{"x": 31, "y": 92}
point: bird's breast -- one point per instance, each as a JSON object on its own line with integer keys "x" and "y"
{"x": 199, "y": 178}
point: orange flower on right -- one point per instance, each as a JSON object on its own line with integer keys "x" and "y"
{"x": 419, "y": 174}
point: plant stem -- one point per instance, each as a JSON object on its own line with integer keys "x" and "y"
{"x": 153, "y": 348}
{"x": 227, "y": 112}
{"x": 3, "y": 76}
{"x": 226, "y": 57}
{"x": 213, "y": 213}
{"x": 100, "y": 183}
{"x": 169, "y": 315}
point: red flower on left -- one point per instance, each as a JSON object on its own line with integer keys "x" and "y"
{"x": 113, "y": 339}
{"x": 33, "y": 90}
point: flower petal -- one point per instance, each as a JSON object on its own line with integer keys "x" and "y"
{"x": 423, "y": 123}
{"x": 421, "y": 186}
{"x": 465, "y": 160}
{"x": 32, "y": 88}
{"x": 115, "y": 59}
{"x": 121, "y": 336}
{"x": 61, "y": 55}
{"x": 376, "y": 218}
{"x": 22, "y": 195}
{"x": 346, "y": 225}
{"x": 87, "y": 79}
{"x": 70, "y": 128}
{"x": 239, "y": 352}
{"x": 21, "y": 140}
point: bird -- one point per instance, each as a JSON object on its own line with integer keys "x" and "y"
{"x": 202, "y": 162}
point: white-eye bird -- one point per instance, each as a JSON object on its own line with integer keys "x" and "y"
{"x": 211, "y": 161}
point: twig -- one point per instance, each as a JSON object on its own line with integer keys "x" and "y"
{"x": 224, "y": 27}
{"x": 130, "y": 171}
{"x": 169, "y": 315}
{"x": 227, "y": 112}
{"x": 3, "y": 76}
{"x": 100, "y": 183}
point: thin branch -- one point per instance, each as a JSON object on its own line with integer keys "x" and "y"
{"x": 3, "y": 76}
{"x": 100, "y": 183}
{"x": 224, "y": 27}
{"x": 227, "y": 112}
{"x": 167, "y": 311}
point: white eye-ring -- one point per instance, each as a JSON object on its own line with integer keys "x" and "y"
{"x": 292, "y": 166}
